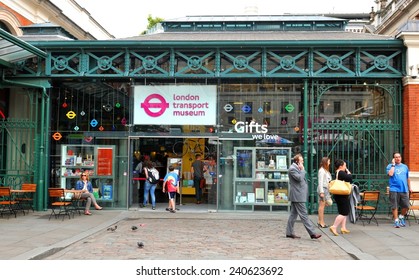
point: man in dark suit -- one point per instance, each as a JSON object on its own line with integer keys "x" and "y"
{"x": 298, "y": 197}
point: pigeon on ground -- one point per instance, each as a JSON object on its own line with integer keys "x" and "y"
{"x": 140, "y": 244}
{"x": 112, "y": 228}
{"x": 134, "y": 228}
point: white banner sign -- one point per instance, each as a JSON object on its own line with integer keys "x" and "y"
{"x": 175, "y": 105}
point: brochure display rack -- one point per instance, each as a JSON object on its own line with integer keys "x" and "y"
{"x": 261, "y": 177}
{"x": 98, "y": 161}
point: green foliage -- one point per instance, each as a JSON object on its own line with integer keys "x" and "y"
{"x": 153, "y": 21}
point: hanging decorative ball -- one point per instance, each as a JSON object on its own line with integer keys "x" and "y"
{"x": 107, "y": 107}
{"x": 71, "y": 115}
{"x": 117, "y": 105}
{"x": 82, "y": 113}
{"x": 124, "y": 121}
{"x": 296, "y": 129}
{"x": 113, "y": 128}
{"x": 64, "y": 105}
{"x": 57, "y": 136}
{"x": 260, "y": 110}
{"x": 101, "y": 128}
{"x": 76, "y": 128}
{"x": 93, "y": 123}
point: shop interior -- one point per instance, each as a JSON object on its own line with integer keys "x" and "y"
{"x": 179, "y": 152}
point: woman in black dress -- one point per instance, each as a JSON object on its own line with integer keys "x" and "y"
{"x": 342, "y": 201}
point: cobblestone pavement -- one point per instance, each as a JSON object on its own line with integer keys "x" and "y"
{"x": 201, "y": 236}
{"x": 197, "y": 233}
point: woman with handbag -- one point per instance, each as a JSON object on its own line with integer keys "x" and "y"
{"x": 324, "y": 177}
{"x": 342, "y": 201}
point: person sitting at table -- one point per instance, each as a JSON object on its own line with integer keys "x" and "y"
{"x": 87, "y": 193}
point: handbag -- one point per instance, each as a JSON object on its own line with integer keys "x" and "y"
{"x": 77, "y": 195}
{"x": 339, "y": 187}
{"x": 202, "y": 183}
{"x": 328, "y": 200}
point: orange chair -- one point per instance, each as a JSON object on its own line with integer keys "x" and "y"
{"x": 58, "y": 202}
{"x": 26, "y": 200}
{"x": 414, "y": 204}
{"x": 368, "y": 206}
{"x": 7, "y": 203}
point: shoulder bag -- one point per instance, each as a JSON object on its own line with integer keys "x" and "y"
{"x": 339, "y": 187}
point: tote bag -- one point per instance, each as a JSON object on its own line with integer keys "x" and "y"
{"x": 339, "y": 187}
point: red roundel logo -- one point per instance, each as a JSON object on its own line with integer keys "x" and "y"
{"x": 155, "y": 105}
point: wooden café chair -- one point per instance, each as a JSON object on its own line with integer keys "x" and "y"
{"x": 58, "y": 203}
{"x": 26, "y": 198}
{"x": 368, "y": 206}
{"x": 414, "y": 205}
{"x": 7, "y": 203}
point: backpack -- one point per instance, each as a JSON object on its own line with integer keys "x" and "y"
{"x": 153, "y": 176}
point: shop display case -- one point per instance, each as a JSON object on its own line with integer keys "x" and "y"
{"x": 95, "y": 160}
{"x": 261, "y": 177}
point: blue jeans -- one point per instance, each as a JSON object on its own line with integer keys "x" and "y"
{"x": 198, "y": 191}
{"x": 149, "y": 187}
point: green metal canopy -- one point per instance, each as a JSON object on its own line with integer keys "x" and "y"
{"x": 12, "y": 50}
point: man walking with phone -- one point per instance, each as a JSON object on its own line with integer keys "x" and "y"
{"x": 298, "y": 197}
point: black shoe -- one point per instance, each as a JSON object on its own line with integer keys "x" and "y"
{"x": 168, "y": 209}
{"x": 322, "y": 226}
{"x": 293, "y": 236}
{"x": 315, "y": 236}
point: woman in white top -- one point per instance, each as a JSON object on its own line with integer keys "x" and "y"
{"x": 324, "y": 178}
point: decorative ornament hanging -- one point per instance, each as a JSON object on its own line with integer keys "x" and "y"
{"x": 82, "y": 113}
{"x": 93, "y": 122}
{"x": 118, "y": 105}
{"x": 76, "y": 128}
{"x": 101, "y": 128}
{"x": 57, "y": 136}
{"x": 124, "y": 121}
{"x": 108, "y": 107}
{"x": 113, "y": 116}
{"x": 65, "y": 105}
{"x": 71, "y": 115}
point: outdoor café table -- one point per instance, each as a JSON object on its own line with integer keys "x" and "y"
{"x": 24, "y": 197}
{"x": 75, "y": 199}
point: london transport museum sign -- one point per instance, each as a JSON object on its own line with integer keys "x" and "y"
{"x": 186, "y": 105}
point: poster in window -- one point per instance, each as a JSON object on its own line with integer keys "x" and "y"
{"x": 281, "y": 162}
{"x": 104, "y": 161}
{"x": 107, "y": 192}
